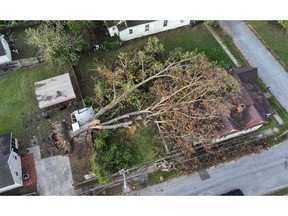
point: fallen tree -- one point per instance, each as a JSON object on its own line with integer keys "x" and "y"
{"x": 182, "y": 93}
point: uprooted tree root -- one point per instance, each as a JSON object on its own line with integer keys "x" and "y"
{"x": 61, "y": 136}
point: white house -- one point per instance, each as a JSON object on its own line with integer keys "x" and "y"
{"x": 10, "y": 164}
{"x": 130, "y": 29}
{"x": 5, "y": 52}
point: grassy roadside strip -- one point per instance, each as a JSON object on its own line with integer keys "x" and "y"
{"x": 280, "y": 192}
{"x": 267, "y": 46}
{"x": 227, "y": 40}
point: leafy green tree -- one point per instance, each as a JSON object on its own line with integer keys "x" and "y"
{"x": 53, "y": 43}
{"x": 77, "y": 26}
{"x": 284, "y": 24}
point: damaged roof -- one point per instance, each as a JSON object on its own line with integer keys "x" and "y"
{"x": 250, "y": 108}
{"x": 54, "y": 90}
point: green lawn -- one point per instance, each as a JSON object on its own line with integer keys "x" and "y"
{"x": 18, "y": 100}
{"x": 227, "y": 40}
{"x": 280, "y": 192}
{"x": 189, "y": 38}
{"x": 274, "y": 37}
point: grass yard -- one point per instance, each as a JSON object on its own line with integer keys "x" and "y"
{"x": 18, "y": 107}
{"x": 189, "y": 38}
{"x": 281, "y": 192}
{"x": 274, "y": 37}
{"x": 227, "y": 40}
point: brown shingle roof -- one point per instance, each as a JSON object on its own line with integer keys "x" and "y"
{"x": 255, "y": 107}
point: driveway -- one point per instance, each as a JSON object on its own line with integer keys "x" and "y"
{"x": 256, "y": 174}
{"x": 54, "y": 176}
{"x": 270, "y": 71}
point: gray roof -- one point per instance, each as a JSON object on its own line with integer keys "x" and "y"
{"x": 83, "y": 115}
{"x": 131, "y": 23}
{"x": 54, "y": 90}
{"x": 6, "y": 178}
{"x": 5, "y": 148}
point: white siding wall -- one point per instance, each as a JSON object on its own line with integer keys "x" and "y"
{"x": 238, "y": 134}
{"x": 113, "y": 31}
{"x": 8, "y": 56}
{"x": 15, "y": 166}
{"x": 154, "y": 27}
{"x": 14, "y": 162}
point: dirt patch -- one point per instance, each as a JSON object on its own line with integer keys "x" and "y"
{"x": 81, "y": 159}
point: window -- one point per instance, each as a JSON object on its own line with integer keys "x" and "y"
{"x": 165, "y": 23}
{"x": 16, "y": 173}
{"x": 130, "y": 31}
{"x": 15, "y": 157}
{"x": 181, "y": 21}
{"x": 147, "y": 27}
{"x": 13, "y": 142}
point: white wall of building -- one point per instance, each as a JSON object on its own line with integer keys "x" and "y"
{"x": 238, "y": 133}
{"x": 8, "y": 57}
{"x": 15, "y": 166}
{"x": 113, "y": 31}
{"x": 14, "y": 163}
{"x": 153, "y": 27}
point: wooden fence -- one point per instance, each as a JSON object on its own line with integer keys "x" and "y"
{"x": 24, "y": 25}
{"x": 14, "y": 65}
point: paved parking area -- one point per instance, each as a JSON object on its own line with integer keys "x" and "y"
{"x": 54, "y": 176}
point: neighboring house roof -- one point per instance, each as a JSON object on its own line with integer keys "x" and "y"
{"x": 131, "y": 23}
{"x": 6, "y": 178}
{"x": 250, "y": 108}
{"x": 54, "y": 90}
{"x": 5, "y": 142}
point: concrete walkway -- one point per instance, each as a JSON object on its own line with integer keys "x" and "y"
{"x": 270, "y": 71}
{"x": 54, "y": 175}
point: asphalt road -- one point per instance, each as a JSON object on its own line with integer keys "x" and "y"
{"x": 269, "y": 70}
{"x": 256, "y": 174}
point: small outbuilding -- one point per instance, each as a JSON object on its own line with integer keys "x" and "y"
{"x": 5, "y": 52}
{"x": 55, "y": 91}
{"x": 80, "y": 117}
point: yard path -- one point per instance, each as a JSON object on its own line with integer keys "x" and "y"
{"x": 269, "y": 69}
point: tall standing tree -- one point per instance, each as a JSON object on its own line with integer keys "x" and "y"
{"x": 184, "y": 94}
{"x": 53, "y": 43}
{"x": 284, "y": 24}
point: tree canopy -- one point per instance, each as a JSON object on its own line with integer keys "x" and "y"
{"x": 183, "y": 94}
{"x": 53, "y": 43}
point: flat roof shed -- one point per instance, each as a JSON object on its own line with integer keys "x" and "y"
{"x": 54, "y": 91}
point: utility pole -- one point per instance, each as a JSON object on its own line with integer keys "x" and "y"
{"x": 126, "y": 188}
